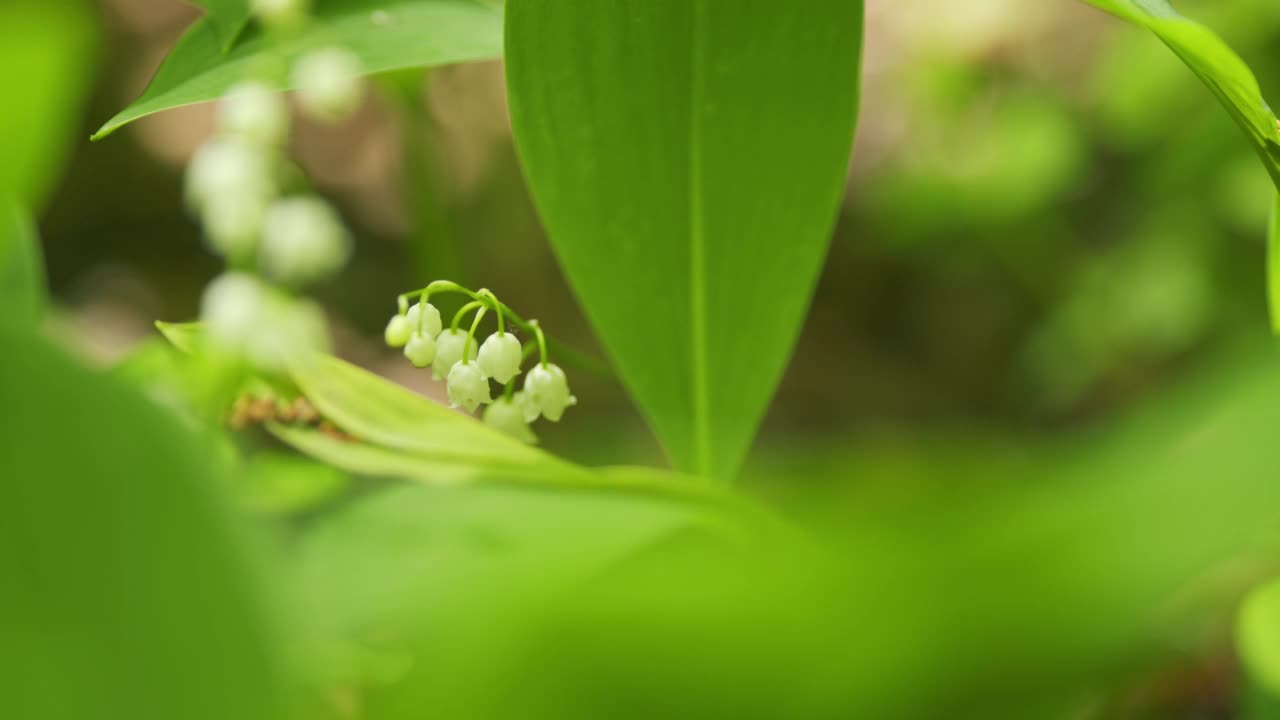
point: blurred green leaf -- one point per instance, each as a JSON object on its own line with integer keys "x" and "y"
{"x": 1273, "y": 264}
{"x": 384, "y": 35}
{"x": 687, "y": 158}
{"x": 227, "y": 17}
{"x": 1214, "y": 62}
{"x": 277, "y": 483}
{"x": 22, "y": 284}
{"x": 184, "y": 336}
{"x": 127, "y": 590}
{"x": 409, "y": 561}
{"x": 1258, "y": 636}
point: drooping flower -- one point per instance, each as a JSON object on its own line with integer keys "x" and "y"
{"x": 547, "y": 391}
{"x": 500, "y": 356}
{"x": 468, "y": 387}
{"x": 303, "y": 240}
{"x": 449, "y": 346}
{"x": 421, "y": 349}
{"x": 328, "y": 83}
{"x": 255, "y": 113}
{"x": 507, "y": 416}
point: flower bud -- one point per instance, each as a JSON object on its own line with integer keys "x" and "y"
{"x": 421, "y": 350}
{"x": 468, "y": 387}
{"x": 255, "y": 113}
{"x": 226, "y": 167}
{"x": 507, "y": 416}
{"x": 548, "y": 391}
{"x": 398, "y": 331}
{"x": 281, "y": 14}
{"x": 449, "y": 352}
{"x": 328, "y": 83}
{"x": 428, "y": 323}
{"x": 303, "y": 239}
{"x": 500, "y": 357}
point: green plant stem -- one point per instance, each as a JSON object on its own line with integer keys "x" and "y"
{"x": 569, "y": 355}
{"x": 471, "y": 334}
{"x": 462, "y": 311}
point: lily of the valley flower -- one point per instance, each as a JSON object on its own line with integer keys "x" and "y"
{"x": 500, "y": 357}
{"x": 468, "y": 386}
{"x": 547, "y": 391}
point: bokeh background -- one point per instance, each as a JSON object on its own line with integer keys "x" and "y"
{"x": 1050, "y": 227}
{"x": 1047, "y": 221}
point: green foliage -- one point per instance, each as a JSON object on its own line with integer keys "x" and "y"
{"x": 687, "y": 159}
{"x": 45, "y": 47}
{"x": 127, "y": 590}
{"x": 384, "y": 36}
{"x": 22, "y": 285}
{"x": 1225, "y": 74}
{"x": 228, "y": 18}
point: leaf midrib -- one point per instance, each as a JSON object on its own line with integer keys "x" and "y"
{"x": 697, "y": 254}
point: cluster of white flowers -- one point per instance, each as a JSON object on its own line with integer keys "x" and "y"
{"x": 453, "y": 356}
{"x": 234, "y": 185}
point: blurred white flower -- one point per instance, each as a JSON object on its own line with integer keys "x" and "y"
{"x": 328, "y": 83}
{"x": 303, "y": 239}
{"x": 255, "y": 113}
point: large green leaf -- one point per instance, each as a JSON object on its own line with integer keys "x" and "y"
{"x": 1226, "y": 75}
{"x": 228, "y": 18}
{"x": 126, "y": 587}
{"x": 384, "y": 35}
{"x": 687, "y": 158}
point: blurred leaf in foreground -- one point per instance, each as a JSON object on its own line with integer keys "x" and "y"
{"x": 127, "y": 591}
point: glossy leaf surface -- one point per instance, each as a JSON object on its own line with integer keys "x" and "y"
{"x": 687, "y": 158}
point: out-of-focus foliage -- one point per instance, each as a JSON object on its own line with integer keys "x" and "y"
{"x": 128, "y": 592}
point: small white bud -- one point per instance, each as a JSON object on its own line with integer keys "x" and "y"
{"x": 428, "y": 323}
{"x": 507, "y": 416}
{"x": 303, "y": 239}
{"x": 421, "y": 350}
{"x": 230, "y": 308}
{"x": 500, "y": 357}
{"x": 256, "y": 113}
{"x": 226, "y": 167}
{"x": 398, "y": 331}
{"x": 280, "y": 14}
{"x": 449, "y": 352}
{"x": 468, "y": 387}
{"x": 548, "y": 391}
{"x": 328, "y": 83}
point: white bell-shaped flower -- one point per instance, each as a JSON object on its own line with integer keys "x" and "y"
{"x": 500, "y": 357}
{"x": 230, "y": 307}
{"x": 280, "y": 14}
{"x": 232, "y": 223}
{"x": 468, "y": 387}
{"x": 425, "y": 318}
{"x": 547, "y": 391}
{"x": 449, "y": 346}
{"x": 328, "y": 83}
{"x": 228, "y": 168}
{"x": 303, "y": 239}
{"x": 507, "y": 416}
{"x": 255, "y": 113}
{"x": 421, "y": 350}
{"x": 289, "y": 330}
{"x": 398, "y": 331}
{"x": 247, "y": 318}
